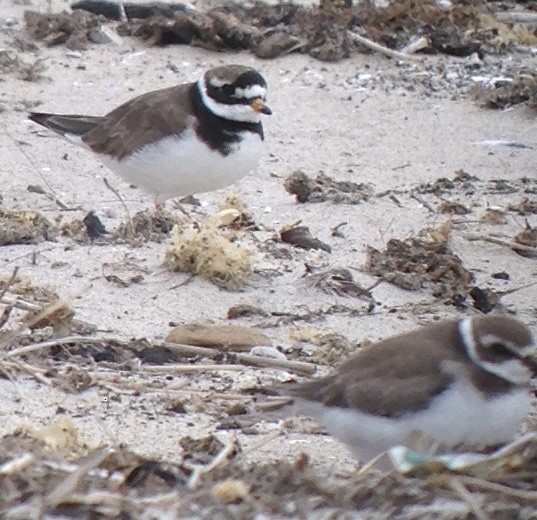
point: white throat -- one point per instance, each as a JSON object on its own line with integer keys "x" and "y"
{"x": 239, "y": 112}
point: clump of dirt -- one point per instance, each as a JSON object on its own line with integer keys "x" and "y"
{"x": 422, "y": 261}
{"x": 323, "y": 188}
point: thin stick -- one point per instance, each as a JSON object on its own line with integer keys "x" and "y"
{"x": 6, "y": 313}
{"x": 29, "y": 320}
{"x": 35, "y": 188}
{"x": 109, "y": 503}
{"x": 273, "y": 403}
{"x": 66, "y": 487}
{"x": 36, "y": 373}
{"x": 61, "y": 341}
{"x": 16, "y": 465}
{"x": 223, "y": 456}
{"x": 9, "y": 283}
{"x": 185, "y": 369}
{"x": 500, "y": 242}
{"x": 27, "y": 306}
{"x": 185, "y": 350}
{"x": 19, "y": 304}
{"x": 424, "y": 203}
{"x": 530, "y": 496}
{"x": 357, "y": 38}
{"x": 117, "y": 194}
{"x": 247, "y": 359}
{"x": 456, "y": 485}
{"x": 123, "y": 203}
{"x": 415, "y": 46}
{"x": 517, "y": 17}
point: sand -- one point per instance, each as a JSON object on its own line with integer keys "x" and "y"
{"x": 366, "y": 119}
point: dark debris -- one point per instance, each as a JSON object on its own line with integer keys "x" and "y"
{"x": 272, "y": 30}
{"x": 148, "y": 225}
{"x": 421, "y": 262}
{"x": 503, "y": 94}
{"x": 300, "y": 236}
{"x": 323, "y": 188}
{"x": 24, "y": 227}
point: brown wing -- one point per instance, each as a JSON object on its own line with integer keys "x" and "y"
{"x": 153, "y": 115}
{"x": 374, "y": 383}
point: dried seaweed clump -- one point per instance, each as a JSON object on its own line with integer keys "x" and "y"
{"x": 423, "y": 261}
{"x": 148, "y": 225}
{"x": 324, "y": 188}
{"x": 211, "y": 252}
{"x": 451, "y": 31}
{"x": 526, "y": 241}
{"x": 24, "y": 227}
{"x": 72, "y": 29}
{"x": 268, "y": 31}
{"x": 503, "y": 94}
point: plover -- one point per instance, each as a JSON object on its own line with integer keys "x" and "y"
{"x": 463, "y": 383}
{"x": 187, "y": 139}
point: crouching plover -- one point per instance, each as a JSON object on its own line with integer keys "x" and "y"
{"x": 464, "y": 383}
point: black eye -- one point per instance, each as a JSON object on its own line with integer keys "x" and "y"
{"x": 228, "y": 90}
{"x": 499, "y": 350}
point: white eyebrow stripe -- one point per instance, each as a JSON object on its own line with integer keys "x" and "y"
{"x": 217, "y": 83}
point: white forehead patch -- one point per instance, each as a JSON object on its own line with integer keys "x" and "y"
{"x": 217, "y": 82}
{"x": 251, "y": 92}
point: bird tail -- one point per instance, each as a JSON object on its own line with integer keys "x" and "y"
{"x": 65, "y": 124}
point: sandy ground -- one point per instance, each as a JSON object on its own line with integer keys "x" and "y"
{"x": 365, "y": 119}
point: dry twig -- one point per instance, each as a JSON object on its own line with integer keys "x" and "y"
{"x": 34, "y": 188}
{"x": 456, "y": 485}
{"x": 185, "y": 350}
{"x": 66, "y": 487}
{"x": 501, "y": 242}
{"x": 247, "y": 359}
{"x": 222, "y": 457}
{"x": 9, "y": 283}
{"x": 357, "y": 38}
{"x": 185, "y": 369}
{"x": 486, "y": 485}
{"x": 517, "y": 17}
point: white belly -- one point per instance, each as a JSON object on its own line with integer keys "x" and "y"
{"x": 176, "y": 167}
{"x": 459, "y": 416}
